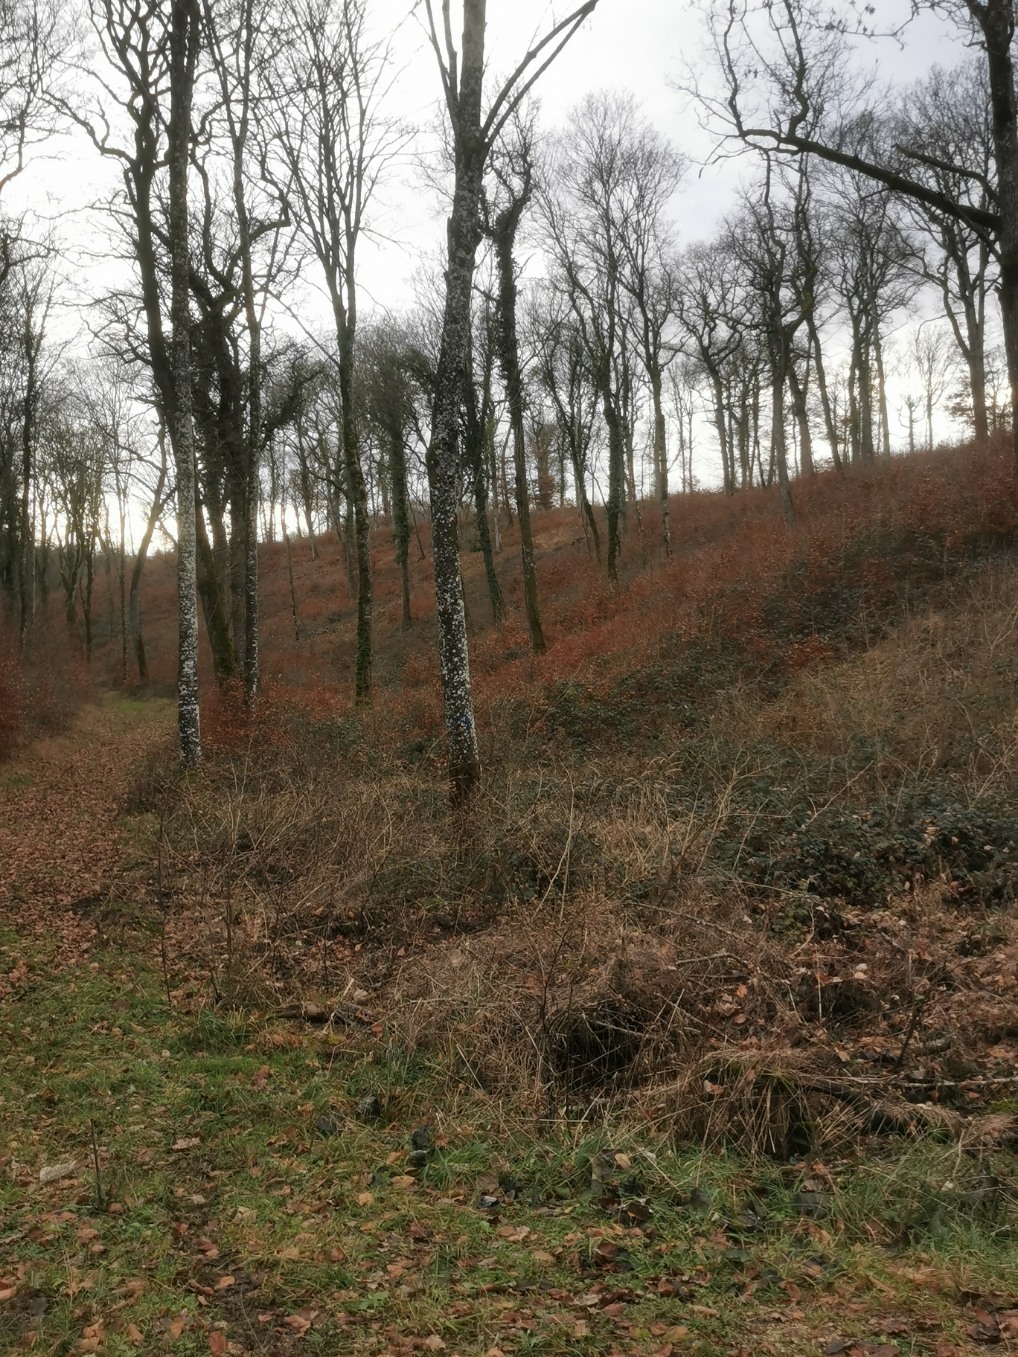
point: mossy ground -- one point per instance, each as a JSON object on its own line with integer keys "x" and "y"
{"x": 243, "y": 1205}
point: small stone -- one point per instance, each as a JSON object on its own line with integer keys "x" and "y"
{"x": 369, "y": 1108}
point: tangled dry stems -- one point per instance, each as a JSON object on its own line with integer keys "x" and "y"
{"x": 590, "y": 933}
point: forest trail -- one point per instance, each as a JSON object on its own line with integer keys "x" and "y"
{"x": 61, "y": 838}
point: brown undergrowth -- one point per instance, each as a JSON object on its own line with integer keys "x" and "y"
{"x": 746, "y": 856}
{"x": 783, "y": 921}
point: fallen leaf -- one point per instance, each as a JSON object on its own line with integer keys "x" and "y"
{"x": 185, "y": 1143}
{"x": 514, "y": 1233}
{"x": 51, "y": 1173}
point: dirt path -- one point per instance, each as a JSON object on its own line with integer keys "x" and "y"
{"x": 61, "y": 847}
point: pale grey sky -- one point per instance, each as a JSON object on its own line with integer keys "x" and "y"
{"x": 642, "y": 46}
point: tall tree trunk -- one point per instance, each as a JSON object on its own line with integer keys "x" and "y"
{"x": 586, "y": 509}
{"x": 616, "y": 477}
{"x": 357, "y": 490}
{"x": 444, "y": 451}
{"x": 830, "y": 423}
{"x": 475, "y": 459}
{"x": 661, "y": 457}
{"x": 134, "y": 592}
{"x": 724, "y": 442}
{"x": 885, "y": 419}
{"x": 798, "y": 391}
{"x": 443, "y": 454}
{"x": 26, "y": 572}
{"x": 996, "y": 19}
{"x": 779, "y": 443}
{"x": 401, "y": 519}
{"x": 213, "y": 602}
{"x": 509, "y": 356}
{"x": 183, "y": 55}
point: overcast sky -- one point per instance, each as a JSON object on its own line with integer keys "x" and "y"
{"x": 643, "y": 46}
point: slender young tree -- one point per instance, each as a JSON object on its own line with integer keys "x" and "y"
{"x": 513, "y": 172}
{"x": 473, "y": 133}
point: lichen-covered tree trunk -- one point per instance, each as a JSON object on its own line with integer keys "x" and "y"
{"x": 443, "y": 481}
{"x": 183, "y": 54}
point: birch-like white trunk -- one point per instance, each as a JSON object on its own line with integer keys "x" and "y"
{"x": 443, "y": 483}
{"x": 183, "y": 49}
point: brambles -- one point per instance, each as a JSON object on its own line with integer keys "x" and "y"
{"x": 867, "y": 857}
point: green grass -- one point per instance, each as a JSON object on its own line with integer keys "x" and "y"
{"x": 223, "y": 1209}
{"x": 133, "y": 711}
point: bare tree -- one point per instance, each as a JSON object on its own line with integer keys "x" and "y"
{"x": 237, "y": 38}
{"x": 513, "y": 172}
{"x": 585, "y": 206}
{"x": 875, "y": 274}
{"x": 333, "y": 146}
{"x": 945, "y": 119}
{"x": 387, "y": 383}
{"x": 183, "y": 55}
{"x": 934, "y": 363}
{"x": 149, "y": 53}
{"x": 710, "y": 310}
{"x": 563, "y": 375}
{"x": 782, "y": 64}
{"x": 652, "y": 284}
{"x": 473, "y": 134}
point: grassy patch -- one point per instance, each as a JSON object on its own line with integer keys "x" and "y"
{"x": 252, "y": 1197}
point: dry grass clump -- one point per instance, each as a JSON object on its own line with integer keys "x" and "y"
{"x": 588, "y": 1000}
